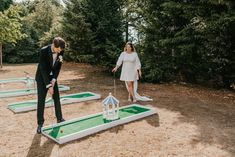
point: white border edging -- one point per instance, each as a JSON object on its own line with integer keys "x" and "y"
{"x": 27, "y": 91}
{"x": 99, "y": 128}
{"x": 62, "y": 100}
{"x": 11, "y": 80}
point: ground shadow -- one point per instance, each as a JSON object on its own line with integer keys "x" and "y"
{"x": 2, "y": 71}
{"x": 38, "y": 150}
{"x": 153, "y": 120}
{"x": 116, "y": 129}
{"x": 214, "y": 119}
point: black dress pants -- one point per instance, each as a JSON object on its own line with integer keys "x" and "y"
{"x": 42, "y": 92}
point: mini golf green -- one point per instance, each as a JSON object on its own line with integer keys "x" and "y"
{"x": 77, "y": 128}
{"x": 19, "y": 92}
{"x": 65, "y": 99}
{"x": 11, "y": 80}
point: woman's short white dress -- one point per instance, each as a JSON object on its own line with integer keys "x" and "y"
{"x": 130, "y": 63}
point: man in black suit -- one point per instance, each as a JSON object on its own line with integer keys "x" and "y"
{"x": 50, "y": 61}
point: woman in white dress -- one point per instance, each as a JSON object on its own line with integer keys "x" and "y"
{"x": 131, "y": 68}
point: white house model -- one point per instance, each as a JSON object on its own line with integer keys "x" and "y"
{"x": 110, "y": 108}
{"x": 29, "y": 81}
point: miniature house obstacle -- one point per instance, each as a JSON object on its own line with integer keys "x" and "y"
{"x": 30, "y": 82}
{"x": 110, "y": 108}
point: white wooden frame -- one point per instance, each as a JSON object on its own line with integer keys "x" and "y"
{"x": 98, "y": 128}
{"x": 11, "y": 80}
{"x": 63, "y": 101}
{"x": 13, "y": 93}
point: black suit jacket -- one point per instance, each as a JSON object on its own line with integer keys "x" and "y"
{"x": 45, "y": 66}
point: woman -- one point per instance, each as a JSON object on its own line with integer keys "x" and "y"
{"x": 131, "y": 69}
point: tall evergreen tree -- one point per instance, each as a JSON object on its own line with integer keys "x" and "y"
{"x": 76, "y": 32}
{"x": 10, "y": 27}
{"x": 42, "y": 16}
{"x": 40, "y": 25}
{"x": 5, "y": 4}
{"x": 104, "y": 17}
{"x": 94, "y": 29}
{"x": 180, "y": 36}
{"x": 133, "y": 19}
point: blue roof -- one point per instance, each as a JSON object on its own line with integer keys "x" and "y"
{"x": 110, "y": 100}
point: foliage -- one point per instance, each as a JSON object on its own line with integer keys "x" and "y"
{"x": 5, "y": 4}
{"x": 40, "y": 21}
{"x": 189, "y": 41}
{"x": 94, "y": 30}
{"x": 10, "y": 29}
{"x": 177, "y": 40}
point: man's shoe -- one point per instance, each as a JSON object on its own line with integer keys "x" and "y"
{"x": 61, "y": 120}
{"x": 39, "y": 129}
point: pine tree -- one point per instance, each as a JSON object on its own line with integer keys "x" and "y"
{"x": 5, "y": 4}
{"x": 189, "y": 40}
{"x": 76, "y": 32}
{"x": 94, "y": 30}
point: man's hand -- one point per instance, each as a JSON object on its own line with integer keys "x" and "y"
{"x": 53, "y": 82}
{"x": 51, "y": 90}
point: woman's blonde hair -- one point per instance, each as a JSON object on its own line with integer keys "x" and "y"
{"x": 131, "y": 45}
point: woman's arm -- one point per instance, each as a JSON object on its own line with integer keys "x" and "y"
{"x": 119, "y": 62}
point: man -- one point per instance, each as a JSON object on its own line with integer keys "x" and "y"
{"x": 50, "y": 61}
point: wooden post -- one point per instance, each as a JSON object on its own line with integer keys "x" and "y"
{"x": 1, "y": 54}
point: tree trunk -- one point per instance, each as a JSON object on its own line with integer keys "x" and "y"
{"x": 127, "y": 31}
{"x": 1, "y": 54}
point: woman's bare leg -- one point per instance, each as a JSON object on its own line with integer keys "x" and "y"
{"x": 130, "y": 85}
{"x": 129, "y": 95}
